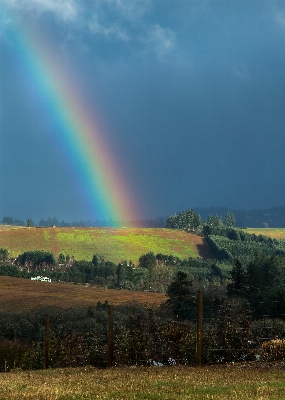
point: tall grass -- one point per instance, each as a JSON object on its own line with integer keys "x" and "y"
{"x": 153, "y": 383}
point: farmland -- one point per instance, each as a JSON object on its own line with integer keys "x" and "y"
{"x": 114, "y": 244}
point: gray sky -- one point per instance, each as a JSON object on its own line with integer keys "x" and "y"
{"x": 191, "y": 95}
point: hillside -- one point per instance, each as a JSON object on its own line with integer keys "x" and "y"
{"x": 114, "y": 244}
{"x": 23, "y": 295}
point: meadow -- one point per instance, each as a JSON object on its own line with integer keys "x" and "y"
{"x": 141, "y": 383}
{"x": 114, "y": 244}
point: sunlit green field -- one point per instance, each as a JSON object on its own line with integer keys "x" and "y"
{"x": 114, "y": 244}
{"x": 154, "y": 383}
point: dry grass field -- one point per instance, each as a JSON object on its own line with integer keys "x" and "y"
{"x": 114, "y": 244}
{"x": 24, "y": 294}
{"x": 141, "y": 383}
{"x": 278, "y": 233}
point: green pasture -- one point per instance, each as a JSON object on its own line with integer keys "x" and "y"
{"x": 114, "y": 244}
{"x": 152, "y": 383}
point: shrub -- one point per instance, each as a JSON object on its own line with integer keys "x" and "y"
{"x": 12, "y": 354}
{"x": 228, "y": 336}
{"x": 273, "y": 350}
{"x": 267, "y": 328}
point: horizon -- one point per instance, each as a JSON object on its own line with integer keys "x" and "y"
{"x": 158, "y": 221}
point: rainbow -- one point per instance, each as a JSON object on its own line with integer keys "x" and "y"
{"x": 75, "y": 129}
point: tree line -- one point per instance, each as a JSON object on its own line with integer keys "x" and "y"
{"x": 158, "y": 222}
{"x": 153, "y": 272}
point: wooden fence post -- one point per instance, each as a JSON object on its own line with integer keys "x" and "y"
{"x": 110, "y": 337}
{"x": 199, "y": 328}
{"x": 46, "y": 341}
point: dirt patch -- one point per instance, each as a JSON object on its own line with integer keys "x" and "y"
{"x": 202, "y": 246}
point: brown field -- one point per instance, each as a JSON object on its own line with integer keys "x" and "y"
{"x": 114, "y": 244}
{"x": 24, "y": 295}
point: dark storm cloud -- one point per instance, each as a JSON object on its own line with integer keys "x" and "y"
{"x": 192, "y": 93}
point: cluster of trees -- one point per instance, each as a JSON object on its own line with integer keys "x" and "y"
{"x": 4, "y": 255}
{"x": 259, "y": 287}
{"x": 187, "y": 220}
{"x": 153, "y": 273}
{"x": 261, "y": 283}
{"x": 55, "y": 222}
{"x": 36, "y": 260}
{"x": 190, "y": 221}
{"x": 273, "y": 217}
{"x": 12, "y": 221}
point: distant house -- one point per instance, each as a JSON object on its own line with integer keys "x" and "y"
{"x": 41, "y": 278}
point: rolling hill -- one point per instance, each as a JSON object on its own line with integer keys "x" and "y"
{"x": 114, "y": 244}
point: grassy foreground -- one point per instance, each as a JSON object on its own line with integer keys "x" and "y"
{"x": 144, "y": 383}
